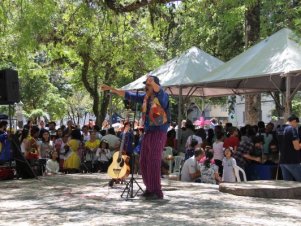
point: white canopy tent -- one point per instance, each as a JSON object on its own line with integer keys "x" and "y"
{"x": 273, "y": 64}
{"x": 179, "y": 75}
{"x": 182, "y": 71}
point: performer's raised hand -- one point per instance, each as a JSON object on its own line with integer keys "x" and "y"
{"x": 105, "y": 87}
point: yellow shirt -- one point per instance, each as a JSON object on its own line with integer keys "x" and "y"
{"x": 73, "y": 144}
{"x": 92, "y": 144}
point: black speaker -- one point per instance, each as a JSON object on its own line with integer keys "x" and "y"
{"x": 9, "y": 87}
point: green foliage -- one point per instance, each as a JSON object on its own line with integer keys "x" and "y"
{"x": 78, "y": 105}
{"x": 65, "y": 48}
{"x": 36, "y": 113}
{"x": 296, "y": 104}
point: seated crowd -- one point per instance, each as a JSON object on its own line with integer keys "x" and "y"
{"x": 68, "y": 149}
{"x": 209, "y": 156}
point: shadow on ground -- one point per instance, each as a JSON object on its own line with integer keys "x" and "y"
{"x": 86, "y": 199}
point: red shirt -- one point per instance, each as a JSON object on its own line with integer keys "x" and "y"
{"x": 231, "y": 142}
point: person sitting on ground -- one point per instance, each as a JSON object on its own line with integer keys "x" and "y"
{"x": 52, "y": 165}
{"x": 103, "y": 156}
{"x": 91, "y": 146}
{"x": 191, "y": 170}
{"x": 229, "y": 164}
{"x": 209, "y": 171}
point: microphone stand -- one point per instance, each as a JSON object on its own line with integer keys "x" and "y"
{"x": 129, "y": 188}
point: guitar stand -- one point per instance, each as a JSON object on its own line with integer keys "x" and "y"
{"x": 129, "y": 188}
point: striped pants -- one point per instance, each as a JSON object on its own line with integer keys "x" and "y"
{"x": 150, "y": 160}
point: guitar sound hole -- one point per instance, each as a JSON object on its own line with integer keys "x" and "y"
{"x": 121, "y": 163}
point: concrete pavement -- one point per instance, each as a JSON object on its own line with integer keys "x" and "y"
{"x": 85, "y": 199}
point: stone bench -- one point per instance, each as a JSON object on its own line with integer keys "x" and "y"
{"x": 264, "y": 189}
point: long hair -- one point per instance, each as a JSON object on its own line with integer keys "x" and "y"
{"x": 209, "y": 156}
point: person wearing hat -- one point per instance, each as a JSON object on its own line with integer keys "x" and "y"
{"x": 155, "y": 119}
{"x": 290, "y": 156}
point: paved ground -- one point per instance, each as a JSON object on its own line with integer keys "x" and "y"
{"x": 87, "y": 200}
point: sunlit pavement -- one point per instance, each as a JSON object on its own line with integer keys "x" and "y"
{"x": 86, "y": 199}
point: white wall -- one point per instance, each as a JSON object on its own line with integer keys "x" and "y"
{"x": 267, "y": 105}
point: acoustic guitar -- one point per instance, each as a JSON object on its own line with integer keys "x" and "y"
{"x": 119, "y": 168}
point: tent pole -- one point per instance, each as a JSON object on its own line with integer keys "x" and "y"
{"x": 179, "y": 119}
{"x": 287, "y": 110}
{"x": 111, "y": 110}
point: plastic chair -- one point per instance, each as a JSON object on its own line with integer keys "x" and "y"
{"x": 237, "y": 169}
{"x": 178, "y": 163}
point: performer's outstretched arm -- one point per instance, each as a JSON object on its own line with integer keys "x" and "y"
{"x": 113, "y": 90}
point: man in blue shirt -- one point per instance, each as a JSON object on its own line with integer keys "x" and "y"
{"x": 5, "y": 154}
{"x": 155, "y": 119}
{"x": 290, "y": 158}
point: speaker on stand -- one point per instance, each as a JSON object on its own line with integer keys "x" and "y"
{"x": 9, "y": 87}
{"x": 9, "y": 95}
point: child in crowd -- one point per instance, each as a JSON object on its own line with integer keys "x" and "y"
{"x": 218, "y": 151}
{"x": 103, "y": 156}
{"x": 52, "y": 165}
{"x": 209, "y": 171}
{"x": 229, "y": 164}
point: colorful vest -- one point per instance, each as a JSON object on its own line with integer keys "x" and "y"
{"x": 156, "y": 113}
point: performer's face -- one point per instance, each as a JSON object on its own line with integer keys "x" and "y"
{"x": 148, "y": 89}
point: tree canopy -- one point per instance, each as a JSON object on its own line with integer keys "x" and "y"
{"x": 63, "y": 48}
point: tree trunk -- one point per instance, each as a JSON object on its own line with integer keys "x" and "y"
{"x": 92, "y": 89}
{"x": 252, "y": 26}
{"x": 278, "y": 104}
{"x": 110, "y": 75}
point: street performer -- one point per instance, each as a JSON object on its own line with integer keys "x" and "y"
{"x": 155, "y": 119}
